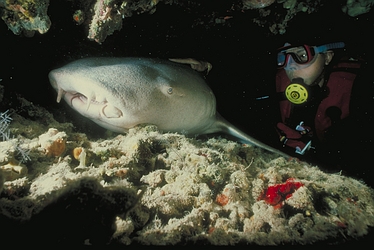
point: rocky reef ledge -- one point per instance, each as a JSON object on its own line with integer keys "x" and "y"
{"x": 103, "y": 17}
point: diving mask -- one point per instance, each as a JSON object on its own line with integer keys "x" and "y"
{"x": 302, "y": 55}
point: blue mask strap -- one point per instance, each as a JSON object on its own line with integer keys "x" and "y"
{"x": 326, "y": 47}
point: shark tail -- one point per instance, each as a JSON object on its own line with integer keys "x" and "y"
{"x": 228, "y": 128}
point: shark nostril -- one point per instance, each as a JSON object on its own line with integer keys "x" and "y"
{"x": 81, "y": 97}
{"x": 77, "y": 99}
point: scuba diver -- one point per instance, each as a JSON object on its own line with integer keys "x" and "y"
{"x": 313, "y": 100}
{"x": 316, "y": 103}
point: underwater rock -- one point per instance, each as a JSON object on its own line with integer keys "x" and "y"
{"x": 10, "y": 172}
{"x": 7, "y": 151}
{"x": 108, "y": 16}
{"x": 25, "y": 16}
{"x": 357, "y": 7}
{"x": 150, "y": 188}
{"x": 277, "y": 18}
{"x": 257, "y": 4}
{"x": 53, "y": 142}
{"x": 83, "y": 212}
{"x": 103, "y": 18}
{"x": 105, "y": 21}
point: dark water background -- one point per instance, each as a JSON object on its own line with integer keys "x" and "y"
{"x": 241, "y": 52}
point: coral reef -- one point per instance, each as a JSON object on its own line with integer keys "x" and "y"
{"x": 108, "y": 16}
{"x": 103, "y": 17}
{"x": 162, "y": 189}
{"x": 281, "y": 16}
{"x": 257, "y": 4}
{"x": 357, "y": 7}
{"x": 25, "y": 16}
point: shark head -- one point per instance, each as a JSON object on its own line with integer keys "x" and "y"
{"x": 89, "y": 98}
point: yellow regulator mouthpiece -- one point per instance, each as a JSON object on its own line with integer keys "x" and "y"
{"x": 296, "y": 93}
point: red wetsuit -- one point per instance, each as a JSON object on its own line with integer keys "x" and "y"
{"x": 339, "y": 86}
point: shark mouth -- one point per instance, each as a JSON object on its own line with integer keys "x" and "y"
{"x": 89, "y": 105}
{"x": 83, "y": 98}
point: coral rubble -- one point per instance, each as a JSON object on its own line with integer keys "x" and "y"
{"x": 162, "y": 189}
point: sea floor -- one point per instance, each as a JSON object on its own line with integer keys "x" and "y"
{"x": 60, "y": 186}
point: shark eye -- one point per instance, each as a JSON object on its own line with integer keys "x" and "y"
{"x": 170, "y": 90}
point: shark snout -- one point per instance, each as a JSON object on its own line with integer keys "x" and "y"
{"x": 65, "y": 90}
{"x": 83, "y": 96}
{"x": 53, "y": 79}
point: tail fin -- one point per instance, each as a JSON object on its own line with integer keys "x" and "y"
{"x": 227, "y": 128}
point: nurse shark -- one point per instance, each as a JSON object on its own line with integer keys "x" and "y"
{"x": 121, "y": 93}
